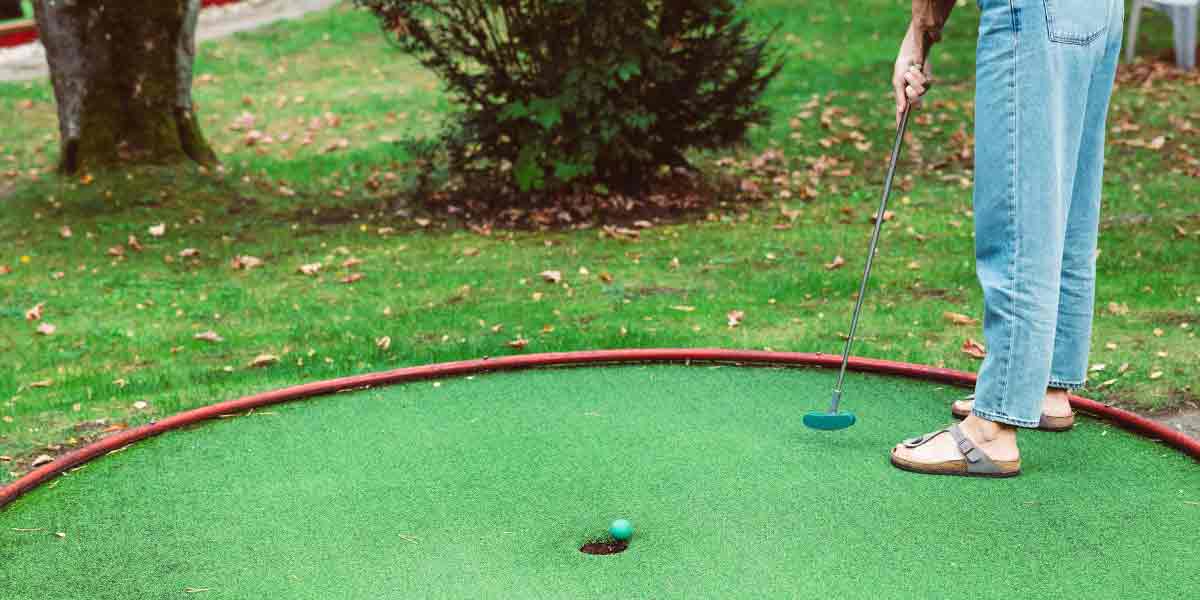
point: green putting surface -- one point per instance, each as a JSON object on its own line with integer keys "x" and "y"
{"x": 486, "y": 486}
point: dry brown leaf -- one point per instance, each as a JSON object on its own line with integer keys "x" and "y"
{"x": 551, "y": 276}
{"x": 5, "y": 269}
{"x": 264, "y": 360}
{"x": 353, "y": 277}
{"x": 117, "y": 250}
{"x": 245, "y": 262}
{"x": 383, "y": 343}
{"x": 1118, "y": 309}
{"x": 42, "y": 459}
{"x": 44, "y": 383}
{"x": 35, "y": 313}
{"x": 209, "y": 336}
{"x": 157, "y": 230}
{"x": 1158, "y": 332}
{"x": 734, "y": 318}
{"x": 519, "y": 343}
{"x": 46, "y": 329}
{"x": 837, "y": 263}
{"x": 140, "y": 405}
{"x": 1157, "y": 143}
{"x": 422, "y": 221}
{"x": 64, "y": 232}
{"x": 189, "y": 253}
{"x": 470, "y": 251}
{"x": 135, "y": 244}
{"x": 351, "y": 262}
{"x": 1156, "y": 374}
{"x": 683, "y": 308}
{"x": 959, "y": 319}
{"x": 310, "y": 269}
{"x": 974, "y": 349}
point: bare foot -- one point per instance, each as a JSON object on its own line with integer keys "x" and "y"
{"x": 997, "y": 440}
{"x": 1055, "y": 404}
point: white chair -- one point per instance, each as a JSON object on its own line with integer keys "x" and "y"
{"x": 1183, "y": 15}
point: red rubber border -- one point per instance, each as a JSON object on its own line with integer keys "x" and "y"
{"x": 30, "y": 33}
{"x": 11, "y": 492}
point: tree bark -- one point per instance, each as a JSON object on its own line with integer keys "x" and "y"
{"x": 122, "y": 75}
{"x": 10, "y": 9}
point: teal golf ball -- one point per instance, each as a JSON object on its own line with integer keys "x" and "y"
{"x": 621, "y": 529}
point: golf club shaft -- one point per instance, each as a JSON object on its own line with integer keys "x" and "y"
{"x": 862, "y": 288}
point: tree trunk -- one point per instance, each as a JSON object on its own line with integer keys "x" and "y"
{"x": 122, "y": 75}
{"x": 11, "y": 9}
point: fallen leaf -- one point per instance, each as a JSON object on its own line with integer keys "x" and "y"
{"x": 551, "y": 276}
{"x": 837, "y": 263}
{"x": 140, "y": 405}
{"x": 1158, "y": 332}
{"x": 422, "y": 221}
{"x": 64, "y": 232}
{"x": 1118, "y": 309}
{"x": 1156, "y": 374}
{"x": 116, "y": 251}
{"x": 46, "y": 329}
{"x": 974, "y": 349}
{"x": 683, "y": 308}
{"x": 519, "y": 343}
{"x": 353, "y": 277}
{"x": 959, "y": 319}
{"x": 189, "y": 253}
{"x": 60, "y": 535}
{"x": 135, "y": 244}
{"x": 470, "y": 251}
{"x": 35, "y": 313}
{"x": 42, "y": 459}
{"x": 245, "y": 262}
{"x": 264, "y": 360}
{"x": 5, "y": 269}
{"x": 351, "y": 262}
{"x": 1096, "y": 368}
{"x": 734, "y": 318}
{"x": 887, "y": 216}
{"x": 310, "y": 269}
{"x": 45, "y": 383}
{"x": 209, "y": 336}
{"x": 157, "y": 230}
{"x": 383, "y": 343}
{"x": 1157, "y": 143}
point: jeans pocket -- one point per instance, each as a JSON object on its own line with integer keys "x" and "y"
{"x": 1076, "y": 21}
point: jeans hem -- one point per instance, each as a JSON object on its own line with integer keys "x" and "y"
{"x": 1007, "y": 420}
{"x": 1070, "y": 386}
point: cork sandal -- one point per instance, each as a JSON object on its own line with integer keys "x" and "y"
{"x": 1045, "y": 423}
{"x": 974, "y": 463}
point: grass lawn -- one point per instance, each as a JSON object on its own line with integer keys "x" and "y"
{"x": 312, "y": 120}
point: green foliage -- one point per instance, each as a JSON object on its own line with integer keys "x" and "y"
{"x": 561, "y": 92}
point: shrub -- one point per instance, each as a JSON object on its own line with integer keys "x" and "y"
{"x": 562, "y": 93}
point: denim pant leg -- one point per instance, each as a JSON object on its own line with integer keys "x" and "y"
{"x": 1077, "y": 292}
{"x": 1041, "y": 68}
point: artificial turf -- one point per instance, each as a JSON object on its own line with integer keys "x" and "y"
{"x": 486, "y": 486}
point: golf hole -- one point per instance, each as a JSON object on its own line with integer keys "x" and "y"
{"x": 604, "y": 547}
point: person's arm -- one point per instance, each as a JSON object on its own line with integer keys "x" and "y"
{"x": 928, "y": 19}
{"x": 910, "y": 77}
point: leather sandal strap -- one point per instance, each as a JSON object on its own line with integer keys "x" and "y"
{"x": 977, "y": 461}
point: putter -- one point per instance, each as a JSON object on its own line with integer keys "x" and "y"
{"x": 833, "y": 420}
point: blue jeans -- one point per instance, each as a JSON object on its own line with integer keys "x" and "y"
{"x": 1045, "y": 72}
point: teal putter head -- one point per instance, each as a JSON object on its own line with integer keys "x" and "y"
{"x": 832, "y": 420}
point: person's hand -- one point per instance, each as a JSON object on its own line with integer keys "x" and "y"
{"x": 910, "y": 78}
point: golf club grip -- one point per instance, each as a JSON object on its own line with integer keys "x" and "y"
{"x": 862, "y": 288}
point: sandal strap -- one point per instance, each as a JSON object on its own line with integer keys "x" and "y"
{"x": 977, "y": 461}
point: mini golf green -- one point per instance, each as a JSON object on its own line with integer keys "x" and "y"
{"x": 486, "y": 486}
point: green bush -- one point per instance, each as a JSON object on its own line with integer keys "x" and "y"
{"x": 561, "y": 93}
